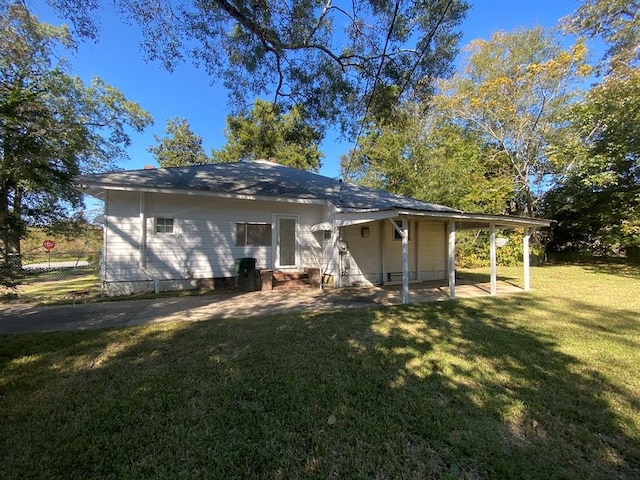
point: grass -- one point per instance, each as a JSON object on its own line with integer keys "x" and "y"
{"x": 538, "y": 385}
{"x": 57, "y": 286}
{"x": 78, "y": 285}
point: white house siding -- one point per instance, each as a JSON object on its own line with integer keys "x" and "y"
{"x": 203, "y": 245}
{"x": 377, "y": 258}
{"x": 393, "y": 252}
{"x": 432, "y": 260}
{"x": 361, "y": 264}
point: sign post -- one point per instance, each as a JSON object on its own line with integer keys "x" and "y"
{"x": 48, "y": 246}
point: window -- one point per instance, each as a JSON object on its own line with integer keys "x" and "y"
{"x": 253, "y": 234}
{"x": 164, "y": 225}
{"x": 396, "y": 233}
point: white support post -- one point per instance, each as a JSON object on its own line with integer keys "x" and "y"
{"x": 492, "y": 252}
{"x": 405, "y": 261}
{"x": 452, "y": 259}
{"x": 525, "y": 258}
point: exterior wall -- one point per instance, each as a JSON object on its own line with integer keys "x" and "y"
{"x": 432, "y": 261}
{"x": 203, "y": 244}
{"x": 377, "y": 258}
{"x": 362, "y": 263}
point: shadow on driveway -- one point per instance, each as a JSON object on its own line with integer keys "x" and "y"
{"x": 20, "y": 318}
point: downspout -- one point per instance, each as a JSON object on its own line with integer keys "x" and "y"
{"x": 142, "y": 244}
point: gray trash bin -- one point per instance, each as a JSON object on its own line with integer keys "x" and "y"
{"x": 246, "y": 274}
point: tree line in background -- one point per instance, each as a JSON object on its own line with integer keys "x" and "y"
{"x": 526, "y": 126}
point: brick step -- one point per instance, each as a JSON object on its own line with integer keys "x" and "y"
{"x": 279, "y": 280}
{"x": 289, "y": 285}
{"x": 290, "y": 276}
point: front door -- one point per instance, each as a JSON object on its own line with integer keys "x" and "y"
{"x": 286, "y": 242}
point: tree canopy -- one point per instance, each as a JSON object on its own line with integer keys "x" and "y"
{"x": 616, "y": 22}
{"x": 180, "y": 147}
{"x": 341, "y": 60}
{"x": 513, "y": 92}
{"x": 597, "y": 201}
{"x": 265, "y": 132}
{"x": 427, "y": 156}
{"x": 52, "y": 125}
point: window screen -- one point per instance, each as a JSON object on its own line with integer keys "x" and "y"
{"x": 164, "y": 225}
{"x": 253, "y": 234}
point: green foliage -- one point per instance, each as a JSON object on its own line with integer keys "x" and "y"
{"x": 52, "y": 126}
{"x": 473, "y": 251}
{"x": 616, "y": 22}
{"x": 71, "y": 236}
{"x": 337, "y": 60}
{"x": 181, "y": 147}
{"x": 265, "y": 132}
{"x": 425, "y": 156}
{"x": 597, "y": 204}
{"x": 513, "y": 92}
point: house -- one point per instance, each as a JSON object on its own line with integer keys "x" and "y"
{"x": 180, "y": 227}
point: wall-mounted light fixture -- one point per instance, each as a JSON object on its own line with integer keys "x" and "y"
{"x": 501, "y": 242}
{"x": 364, "y": 231}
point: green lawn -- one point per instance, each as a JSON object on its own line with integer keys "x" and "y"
{"x": 539, "y": 385}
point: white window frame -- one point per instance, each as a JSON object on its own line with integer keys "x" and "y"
{"x": 246, "y": 234}
{"x": 276, "y": 240}
{"x": 174, "y": 224}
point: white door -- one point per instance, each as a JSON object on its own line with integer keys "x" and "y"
{"x": 286, "y": 244}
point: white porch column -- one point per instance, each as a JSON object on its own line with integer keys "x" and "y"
{"x": 452, "y": 259}
{"x": 405, "y": 261}
{"x": 525, "y": 258}
{"x": 492, "y": 253}
{"x": 404, "y": 233}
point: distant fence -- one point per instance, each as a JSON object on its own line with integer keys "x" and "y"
{"x": 53, "y": 261}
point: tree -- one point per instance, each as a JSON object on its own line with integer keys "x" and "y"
{"x": 616, "y": 22}
{"x": 181, "y": 147}
{"x": 339, "y": 60}
{"x": 52, "y": 126}
{"x": 426, "y": 156}
{"x": 513, "y": 92}
{"x": 597, "y": 203}
{"x": 265, "y": 132}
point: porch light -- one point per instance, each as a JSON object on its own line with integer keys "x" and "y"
{"x": 501, "y": 242}
{"x": 364, "y": 231}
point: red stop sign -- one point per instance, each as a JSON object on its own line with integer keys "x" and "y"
{"x": 48, "y": 245}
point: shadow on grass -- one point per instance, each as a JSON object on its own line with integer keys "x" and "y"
{"x": 609, "y": 266}
{"x": 443, "y": 390}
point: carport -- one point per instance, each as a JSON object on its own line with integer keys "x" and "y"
{"x": 454, "y": 221}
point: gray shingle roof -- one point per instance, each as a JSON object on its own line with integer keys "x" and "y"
{"x": 258, "y": 178}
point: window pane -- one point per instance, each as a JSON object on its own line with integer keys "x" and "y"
{"x": 241, "y": 234}
{"x": 259, "y": 234}
{"x": 164, "y": 225}
{"x": 287, "y": 242}
{"x": 397, "y": 235}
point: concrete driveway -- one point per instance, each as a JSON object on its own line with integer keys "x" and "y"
{"x": 19, "y": 318}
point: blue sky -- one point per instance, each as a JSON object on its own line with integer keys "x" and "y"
{"x": 188, "y": 92}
